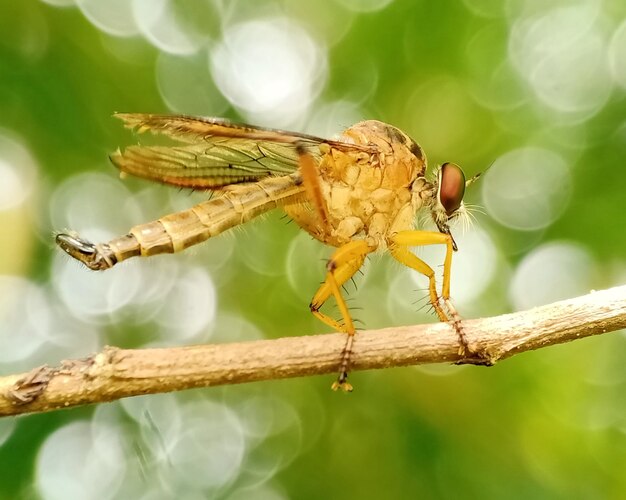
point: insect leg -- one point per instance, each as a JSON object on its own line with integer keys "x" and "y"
{"x": 399, "y": 248}
{"x": 458, "y": 326}
{"x": 342, "y": 265}
{"x": 310, "y": 178}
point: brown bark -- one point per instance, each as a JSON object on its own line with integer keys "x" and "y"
{"x": 117, "y": 373}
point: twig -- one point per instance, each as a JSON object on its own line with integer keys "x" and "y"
{"x": 117, "y": 373}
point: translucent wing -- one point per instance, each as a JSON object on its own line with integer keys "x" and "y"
{"x": 214, "y": 152}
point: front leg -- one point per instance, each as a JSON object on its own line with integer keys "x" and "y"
{"x": 399, "y": 245}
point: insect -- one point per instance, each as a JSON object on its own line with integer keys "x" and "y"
{"x": 359, "y": 193}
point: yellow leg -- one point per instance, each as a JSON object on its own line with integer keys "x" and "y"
{"x": 399, "y": 248}
{"x": 313, "y": 189}
{"x": 342, "y": 265}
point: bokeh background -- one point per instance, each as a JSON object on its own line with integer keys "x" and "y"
{"x": 535, "y": 89}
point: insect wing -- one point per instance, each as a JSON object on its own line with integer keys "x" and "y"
{"x": 193, "y": 129}
{"x": 214, "y": 153}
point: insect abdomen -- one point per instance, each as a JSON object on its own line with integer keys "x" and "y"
{"x": 176, "y": 232}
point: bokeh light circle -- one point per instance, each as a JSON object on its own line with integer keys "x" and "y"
{"x": 208, "y": 450}
{"x": 364, "y": 5}
{"x": 25, "y": 319}
{"x": 79, "y": 461}
{"x": 235, "y": 328}
{"x": 562, "y": 54}
{"x": 96, "y": 205}
{"x": 264, "y": 416}
{"x": 473, "y": 266}
{"x": 114, "y": 17}
{"x": 163, "y": 25}
{"x": 270, "y": 68}
{"x": 157, "y": 276}
{"x": 153, "y": 410}
{"x": 60, "y": 3}
{"x": 264, "y": 492}
{"x": 13, "y": 190}
{"x": 17, "y": 172}
{"x": 494, "y": 86}
{"x": 263, "y": 242}
{"x": 270, "y": 423}
{"x": 486, "y": 8}
{"x": 617, "y": 52}
{"x": 66, "y": 338}
{"x": 94, "y": 296}
{"x": 189, "y": 307}
{"x": 306, "y": 258}
{"x": 406, "y": 297}
{"x": 330, "y": 25}
{"x": 329, "y": 120}
{"x": 7, "y": 426}
{"x": 527, "y": 189}
{"x": 186, "y": 85}
{"x": 551, "y": 272}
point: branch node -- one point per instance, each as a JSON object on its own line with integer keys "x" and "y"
{"x": 478, "y": 359}
{"x": 477, "y": 354}
{"x": 28, "y": 388}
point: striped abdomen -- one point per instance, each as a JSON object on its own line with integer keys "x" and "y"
{"x": 175, "y": 232}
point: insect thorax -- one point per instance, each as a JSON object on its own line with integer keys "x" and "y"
{"x": 368, "y": 195}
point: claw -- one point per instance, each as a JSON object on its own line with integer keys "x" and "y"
{"x": 75, "y": 246}
{"x": 342, "y": 383}
{"x": 95, "y": 257}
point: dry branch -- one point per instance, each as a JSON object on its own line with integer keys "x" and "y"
{"x": 117, "y": 373}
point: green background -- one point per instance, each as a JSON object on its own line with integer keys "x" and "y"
{"x": 546, "y": 424}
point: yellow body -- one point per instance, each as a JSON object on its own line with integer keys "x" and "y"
{"x": 359, "y": 193}
{"x": 368, "y": 196}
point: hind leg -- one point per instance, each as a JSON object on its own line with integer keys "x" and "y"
{"x": 341, "y": 266}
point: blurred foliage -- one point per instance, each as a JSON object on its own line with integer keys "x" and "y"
{"x": 548, "y": 424}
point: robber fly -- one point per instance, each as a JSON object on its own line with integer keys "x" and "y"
{"x": 359, "y": 193}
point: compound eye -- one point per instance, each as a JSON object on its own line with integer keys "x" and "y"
{"x": 451, "y": 187}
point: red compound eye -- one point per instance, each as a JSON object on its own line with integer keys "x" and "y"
{"x": 451, "y": 187}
